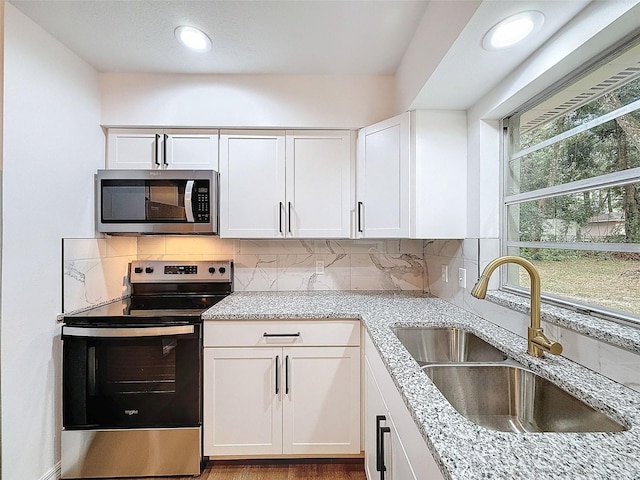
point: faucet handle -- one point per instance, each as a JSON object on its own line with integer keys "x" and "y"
{"x": 538, "y": 341}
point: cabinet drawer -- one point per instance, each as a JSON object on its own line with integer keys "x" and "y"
{"x": 251, "y": 333}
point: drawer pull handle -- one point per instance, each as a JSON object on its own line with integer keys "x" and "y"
{"x": 277, "y": 376}
{"x": 265, "y": 334}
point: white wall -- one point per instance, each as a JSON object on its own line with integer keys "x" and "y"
{"x": 271, "y": 101}
{"x": 441, "y": 24}
{"x": 52, "y": 147}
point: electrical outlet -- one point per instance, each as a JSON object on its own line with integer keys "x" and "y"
{"x": 462, "y": 277}
{"x": 319, "y": 267}
{"x": 444, "y": 276}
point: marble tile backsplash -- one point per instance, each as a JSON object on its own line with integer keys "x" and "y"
{"x": 94, "y": 270}
{"x": 293, "y": 265}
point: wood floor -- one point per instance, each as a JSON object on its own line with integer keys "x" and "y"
{"x": 280, "y": 470}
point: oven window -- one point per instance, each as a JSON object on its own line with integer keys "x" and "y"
{"x": 149, "y": 368}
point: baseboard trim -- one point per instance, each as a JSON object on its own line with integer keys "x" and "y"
{"x": 285, "y": 461}
{"x": 53, "y": 474}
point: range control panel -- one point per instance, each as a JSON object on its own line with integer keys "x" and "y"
{"x": 155, "y": 271}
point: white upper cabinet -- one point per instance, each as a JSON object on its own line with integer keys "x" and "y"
{"x": 383, "y": 179}
{"x": 412, "y": 176}
{"x": 186, "y": 149}
{"x": 293, "y": 184}
{"x": 318, "y": 187}
{"x": 252, "y": 182}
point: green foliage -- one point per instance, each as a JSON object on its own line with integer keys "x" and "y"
{"x": 607, "y": 148}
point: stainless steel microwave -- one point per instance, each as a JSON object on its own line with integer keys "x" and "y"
{"x": 157, "y": 201}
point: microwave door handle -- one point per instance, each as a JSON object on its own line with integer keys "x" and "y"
{"x": 188, "y": 201}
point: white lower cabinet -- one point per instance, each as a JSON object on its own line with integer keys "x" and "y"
{"x": 267, "y": 393}
{"x": 394, "y": 447}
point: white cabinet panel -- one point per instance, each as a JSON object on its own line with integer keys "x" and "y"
{"x": 383, "y": 447}
{"x": 384, "y": 187}
{"x": 134, "y": 149}
{"x": 283, "y": 333}
{"x": 319, "y": 184}
{"x": 412, "y": 176}
{"x": 406, "y": 453}
{"x": 321, "y": 412}
{"x": 191, "y": 149}
{"x": 252, "y": 170}
{"x": 285, "y": 184}
{"x": 242, "y": 409}
{"x": 186, "y": 149}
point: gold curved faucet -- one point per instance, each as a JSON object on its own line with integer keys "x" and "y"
{"x": 537, "y": 341}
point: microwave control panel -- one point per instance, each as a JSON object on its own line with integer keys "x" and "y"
{"x": 201, "y": 211}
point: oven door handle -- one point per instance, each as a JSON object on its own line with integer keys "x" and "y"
{"x": 126, "y": 332}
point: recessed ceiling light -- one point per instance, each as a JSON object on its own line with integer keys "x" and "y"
{"x": 512, "y": 30}
{"x": 193, "y": 38}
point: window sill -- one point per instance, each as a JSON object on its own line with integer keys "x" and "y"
{"x": 622, "y": 336}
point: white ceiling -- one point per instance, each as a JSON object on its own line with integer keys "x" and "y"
{"x": 295, "y": 37}
{"x": 249, "y": 37}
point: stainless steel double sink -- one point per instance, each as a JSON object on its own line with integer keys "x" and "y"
{"x": 492, "y": 390}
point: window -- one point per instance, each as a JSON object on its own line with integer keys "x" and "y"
{"x": 572, "y": 190}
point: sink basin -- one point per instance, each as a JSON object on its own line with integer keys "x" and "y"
{"x": 509, "y": 398}
{"x": 446, "y": 345}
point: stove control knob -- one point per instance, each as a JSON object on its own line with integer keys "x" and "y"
{"x": 138, "y": 270}
{"x": 148, "y": 270}
{"x": 222, "y": 269}
{"x": 212, "y": 269}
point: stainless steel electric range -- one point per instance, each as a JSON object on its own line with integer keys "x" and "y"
{"x": 132, "y": 374}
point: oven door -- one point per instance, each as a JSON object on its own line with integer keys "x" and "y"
{"x": 131, "y": 377}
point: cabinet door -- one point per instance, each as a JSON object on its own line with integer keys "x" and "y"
{"x": 379, "y": 428}
{"x": 374, "y": 407}
{"x": 191, "y": 149}
{"x": 134, "y": 148}
{"x": 242, "y": 401}
{"x": 406, "y": 453}
{"x": 321, "y": 411}
{"x": 252, "y": 184}
{"x": 318, "y": 184}
{"x": 384, "y": 180}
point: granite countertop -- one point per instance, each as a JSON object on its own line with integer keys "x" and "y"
{"x": 462, "y": 449}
